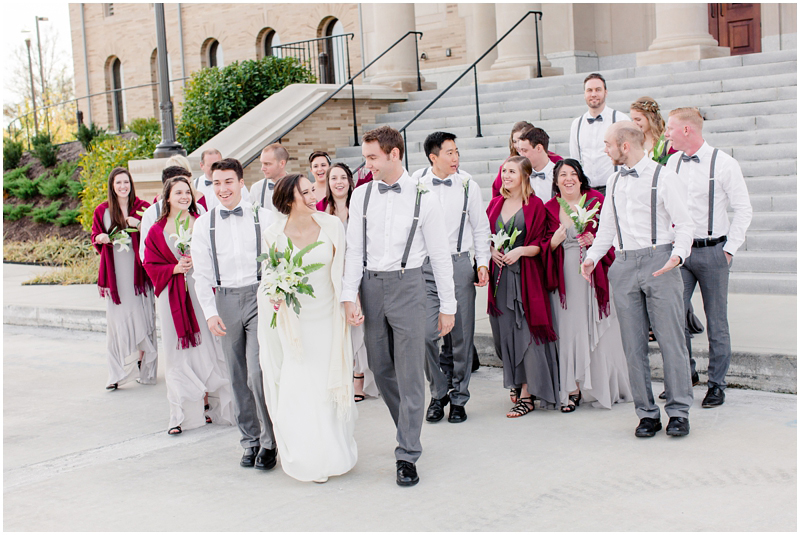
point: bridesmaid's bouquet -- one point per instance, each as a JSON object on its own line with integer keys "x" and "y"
{"x": 503, "y": 241}
{"x": 183, "y": 239}
{"x": 580, "y": 216}
{"x": 121, "y": 238}
{"x": 285, "y": 276}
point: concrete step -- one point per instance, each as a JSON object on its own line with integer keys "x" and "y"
{"x": 769, "y": 167}
{"x": 774, "y": 221}
{"x": 770, "y": 241}
{"x": 786, "y": 202}
{"x": 727, "y": 110}
{"x": 763, "y": 283}
{"x": 765, "y": 262}
{"x": 771, "y": 184}
{"x": 755, "y": 152}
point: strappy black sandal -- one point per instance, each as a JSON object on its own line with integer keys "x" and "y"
{"x": 515, "y": 394}
{"x": 358, "y": 397}
{"x": 572, "y": 404}
{"x": 112, "y": 386}
{"x": 523, "y": 407}
{"x": 177, "y": 430}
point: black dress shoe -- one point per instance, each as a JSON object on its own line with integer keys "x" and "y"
{"x": 714, "y": 397}
{"x": 695, "y": 382}
{"x": 457, "y": 414}
{"x": 678, "y": 426}
{"x": 406, "y": 474}
{"x": 648, "y": 427}
{"x": 249, "y": 457}
{"x": 266, "y": 459}
{"x": 436, "y": 409}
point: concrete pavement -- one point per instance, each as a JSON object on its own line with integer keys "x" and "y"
{"x": 77, "y": 457}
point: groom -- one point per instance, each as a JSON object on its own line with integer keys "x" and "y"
{"x": 393, "y": 228}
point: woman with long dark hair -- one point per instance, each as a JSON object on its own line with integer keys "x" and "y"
{"x": 592, "y": 364}
{"x": 319, "y": 162}
{"x": 130, "y": 314}
{"x": 196, "y": 374}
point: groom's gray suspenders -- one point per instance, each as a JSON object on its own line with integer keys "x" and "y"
{"x": 413, "y": 231}
{"x": 653, "y": 203}
{"x": 578, "y": 136}
{"x": 213, "y": 232}
{"x": 710, "y": 188}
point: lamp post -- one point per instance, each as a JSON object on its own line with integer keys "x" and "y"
{"x": 168, "y": 146}
{"x": 33, "y": 89}
{"x": 41, "y": 73}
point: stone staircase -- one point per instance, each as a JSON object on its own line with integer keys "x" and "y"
{"x": 750, "y": 106}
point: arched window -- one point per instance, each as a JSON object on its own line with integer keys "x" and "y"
{"x": 265, "y": 41}
{"x": 211, "y": 53}
{"x": 116, "y": 99}
{"x": 335, "y": 50}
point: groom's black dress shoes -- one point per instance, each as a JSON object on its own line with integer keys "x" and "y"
{"x": 406, "y": 474}
{"x": 648, "y": 427}
{"x": 266, "y": 459}
{"x": 436, "y": 409}
{"x": 457, "y": 414}
{"x": 678, "y": 426}
{"x": 249, "y": 457}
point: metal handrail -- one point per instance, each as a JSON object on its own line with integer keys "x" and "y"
{"x": 475, "y": 71}
{"x": 353, "y": 95}
{"x": 321, "y": 65}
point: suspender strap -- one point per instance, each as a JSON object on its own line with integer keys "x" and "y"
{"x": 463, "y": 217}
{"x": 411, "y": 234}
{"x": 578, "y": 139}
{"x": 158, "y": 210}
{"x": 653, "y": 203}
{"x": 364, "y": 218}
{"x": 197, "y": 183}
{"x": 213, "y": 231}
{"x": 614, "y": 206}
{"x": 614, "y": 120}
{"x": 680, "y": 161}
{"x": 263, "y": 191}
{"x": 711, "y": 193}
{"x": 258, "y": 247}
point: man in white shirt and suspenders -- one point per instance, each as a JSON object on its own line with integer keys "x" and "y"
{"x": 645, "y": 200}
{"x": 587, "y": 133}
{"x": 715, "y": 182}
{"x": 533, "y": 143}
{"x": 203, "y": 183}
{"x": 273, "y": 165}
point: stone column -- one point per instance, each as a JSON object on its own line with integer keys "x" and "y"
{"x": 516, "y": 55}
{"x": 398, "y": 68}
{"x": 482, "y": 35}
{"x": 681, "y": 35}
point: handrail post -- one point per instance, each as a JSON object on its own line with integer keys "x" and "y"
{"x": 536, "y": 18}
{"x": 405, "y": 147}
{"x": 352, "y": 96}
{"x": 416, "y": 56}
{"x": 477, "y": 105}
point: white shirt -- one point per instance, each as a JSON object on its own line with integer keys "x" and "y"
{"x": 389, "y": 218}
{"x": 730, "y": 189}
{"x": 208, "y": 191}
{"x": 451, "y": 200}
{"x": 595, "y": 162}
{"x": 543, "y": 187}
{"x": 149, "y": 218}
{"x": 632, "y": 201}
{"x": 258, "y": 189}
{"x": 236, "y": 252}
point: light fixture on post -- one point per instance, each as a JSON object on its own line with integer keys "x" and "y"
{"x": 41, "y": 73}
{"x": 168, "y": 146}
{"x": 33, "y": 88}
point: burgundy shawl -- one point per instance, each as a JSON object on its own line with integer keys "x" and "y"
{"x": 160, "y": 261}
{"x": 554, "y": 260}
{"x": 106, "y": 278}
{"x": 535, "y": 300}
{"x": 498, "y": 182}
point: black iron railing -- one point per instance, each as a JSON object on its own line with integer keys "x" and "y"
{"x": 327, "y": 57}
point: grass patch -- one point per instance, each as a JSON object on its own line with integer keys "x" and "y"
{"x": 52, "y": 251}
{"x": 83, "y": 271}
{"x": 15, "y": 213}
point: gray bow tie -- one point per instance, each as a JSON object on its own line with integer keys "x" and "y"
{"x": 270, "y": 185}
{"x": 687, "y": 158}
{"x": 538, "y": 175}
{"x": 446, "y": 181}
{"x": 208, "y": 183}
{"x": 383, "y": 188}
{"x": 227, "y": 213}
{"x": 599, "y": 119}
{"x": 627, "y": 172}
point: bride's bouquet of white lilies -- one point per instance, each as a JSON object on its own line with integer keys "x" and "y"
{"x": 285, "y": 276}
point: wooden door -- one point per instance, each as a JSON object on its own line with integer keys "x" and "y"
{"x": 737, "y": 26}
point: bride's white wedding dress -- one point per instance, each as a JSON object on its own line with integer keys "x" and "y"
{"x": 307, "y": 365}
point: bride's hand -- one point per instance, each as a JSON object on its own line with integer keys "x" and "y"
{"x": 352, "y": 313}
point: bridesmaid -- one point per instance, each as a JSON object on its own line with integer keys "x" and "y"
{"x": 592, "y": 364}
{"x": 519, "y": 307}
{"x": 340, "y": 187}
{"x": 646, "y": 114}
{"x": 130, "y": 312}
{"x": 196, "y": 374}
{"x": 319, "y": 162}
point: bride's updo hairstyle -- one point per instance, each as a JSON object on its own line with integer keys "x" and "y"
{"x": 283, "y": 194}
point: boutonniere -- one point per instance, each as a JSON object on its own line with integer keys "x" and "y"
{"x": 256, "y": 208}
{"x": 421, "y": 189}
{"x": 466, "y": 186}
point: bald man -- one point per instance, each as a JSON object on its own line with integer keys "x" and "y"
{"x": 646, "y": 200}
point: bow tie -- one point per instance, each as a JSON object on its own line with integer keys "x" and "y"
{"x": 270, "y": 185}
{"x": 383, "y": 188}
{"x": 538, "y": 175}
{"x": 227, "y": 213}
{"x": 687, "y": 158}
{"x": 599, "y": 119}
{"x": 446, "y": 181}
{"x": 208, "y": 183}
{"x": 626, "y": 172}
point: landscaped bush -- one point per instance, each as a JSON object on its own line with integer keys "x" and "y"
{"x": 16, "y": 212}
{"x": 214, "y": 98}
{"x": 144, "y": 127}
{"x": 44, "y": 149}
{"x": 91, "y": 134}
{"x": 12, "y": 152}
{"x": 17, "y": 184}
{"x": 58, "y": 181}
{"x": 67, "y": 217}
{"x": 46, "y": 214}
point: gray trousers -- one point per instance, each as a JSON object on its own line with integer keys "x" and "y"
{"x": 462, "y": 334}
{"x": 238, "y": 309}
{"x": 394, "y": 320}
{"x": 709, "y": 267}
{"x": 639, "y": 296}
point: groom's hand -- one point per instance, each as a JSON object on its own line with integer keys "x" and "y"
{"x": 216, "y": 326}
{"x": 446, "y": 322}
{"x": 352, "y": 314}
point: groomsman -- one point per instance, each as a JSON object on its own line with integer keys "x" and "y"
{"x": 225, "y": 244}
{"x": 465, "y": 226}
{"x": 273, "y": 165}
{"x": 533, "y": 144}
{"x": 203, "y": 183}
{"x": 395, "y": 225}
{"x": 715, "y": 183}
{"x": 646, "y": 200}
{"x": 587, "y": 133}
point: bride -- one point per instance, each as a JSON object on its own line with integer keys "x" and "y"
{"x": 307, "y": 359}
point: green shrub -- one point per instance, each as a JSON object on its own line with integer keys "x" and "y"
{"x": 214, "y": 98}
{"x": 17, "y": 184}
{"x": 44, "y": 149}
{"x": 91, "y": 134}
{"x": 46, "y": 214}
{"x": 143, "y": 127}
{"x": 74, "y": 189}
{"x": 14, "y": 213}
{"x": 58, "y": 181}
{"x": 67, "y": 217}
{"x": 12, "y": 153}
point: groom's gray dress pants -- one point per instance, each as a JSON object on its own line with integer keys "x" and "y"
{"x": 238, "y": 309}
{"x": 394, "y": 333}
